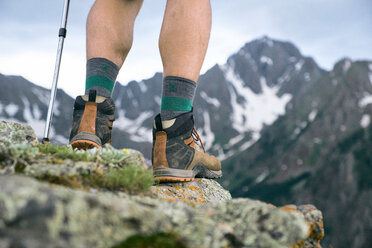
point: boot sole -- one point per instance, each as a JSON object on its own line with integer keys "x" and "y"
{"x": 202, "y": 172}
{"x": 84, "y": 145}
{"x": 164, "y": 174}
{"x": 85, "y": 141}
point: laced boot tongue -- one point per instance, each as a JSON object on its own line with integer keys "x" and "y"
{"x": 196, "y": 138}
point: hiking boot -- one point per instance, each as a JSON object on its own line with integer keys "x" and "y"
{"x": 92, "y": 121}
{"x": 176, "y": 155}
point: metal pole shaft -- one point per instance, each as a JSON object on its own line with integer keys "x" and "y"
{"x": 62, "y": 35}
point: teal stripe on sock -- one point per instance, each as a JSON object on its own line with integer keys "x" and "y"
{"x": 175, "y": 104}
{"x": 100, "y": 81}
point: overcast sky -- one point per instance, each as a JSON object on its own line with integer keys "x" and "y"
{"x": 327, "y": 30}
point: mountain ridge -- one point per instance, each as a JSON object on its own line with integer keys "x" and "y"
{"x": 277, "y": 120}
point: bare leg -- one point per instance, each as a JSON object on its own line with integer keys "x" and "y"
{"x": 184, "y": 37}
{"x": 110, "y": 29}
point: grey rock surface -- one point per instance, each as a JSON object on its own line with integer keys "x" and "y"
{"x": 199, "y": 191}
{"x": 33, "y": 214}
{"x": 201, "y": 213}
{"x": 15, "y": 133}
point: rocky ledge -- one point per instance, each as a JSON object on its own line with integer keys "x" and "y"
{"x": 54, "y": 196}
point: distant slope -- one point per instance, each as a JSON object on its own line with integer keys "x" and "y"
{"x": 233, "y": 101}
{"x": 319, "y": 152}
{"x": 25, "y": 102}
{"x": 287, "y": 130}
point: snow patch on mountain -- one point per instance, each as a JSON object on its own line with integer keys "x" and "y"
{"x": 297, "y": 131}
{"x": 37, "y": 124}
{"x": 33, "y": 117}
{"x": 142, "y": 86}
{"x": 266, "y": 60}
{"x": 365, "y": 121}
{"x": 367, "y": 99}
{"x": 118, "y": 103}
{"x": 312, "y": 115}
{"x": 246, "y": 145}
{"x": 285, "y": 77}
{"x": 210, "y": 100}
{"x": 11, "y": 109}
{"x": 56, "y": 111}
{"x": 292, "y": 59}
{"x": 36, "y": 112}
{"x": 262, "y": 176}
{"x": 157, "y": 100}
{"x": 301, "y": 126}
{"x": 42, "y": 94}
{"x": 207, "y": 134}
{"x": 257, "y": 109}
{"x": 234, "y": 141}
{"x": 135, "y": 128}
{"x": 346, "y": 65}
{"x": 267, "y": 41}
{"x": 248, "y": 57}
{"x": 299, "y": 64}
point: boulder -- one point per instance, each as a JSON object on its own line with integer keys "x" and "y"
{"x": 34, "y": 214}
{"x": 54, "y": 196}
{"x": 196, "y": 192}
{"x": 15, "y": 133}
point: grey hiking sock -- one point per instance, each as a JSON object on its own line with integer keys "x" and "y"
{"x": 101, "y": 76}
{"x": 177, "y": 97}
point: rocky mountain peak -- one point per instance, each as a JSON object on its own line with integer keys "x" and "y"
{"x": 278, "y": 62}
{"x": 283, "y": 127}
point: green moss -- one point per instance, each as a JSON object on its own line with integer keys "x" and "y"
{"x": 105, "y": 155}
{"x": 126, "y": 175}
{"x": 160, "y": 240}
{"x": 66, "y": 152}
{"x": 75, "y": 182}
{"x": 23, "y": 151}
{"x": 131, "y": 178}
{"x": 111, "y": 155}
{"x": 19, "y": 167}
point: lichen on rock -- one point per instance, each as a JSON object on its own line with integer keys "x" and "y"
{"x": 108, "y": 198}
{"x": 59, "y": 217}
{"x": 15, "y": 133}
{"x": 199, "y": 191}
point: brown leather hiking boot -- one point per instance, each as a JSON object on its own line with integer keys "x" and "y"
{"x": 176, "y": 156}
{"x": 92, "y": 121}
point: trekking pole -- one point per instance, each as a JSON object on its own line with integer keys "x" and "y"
{"x": 53, "y": 91}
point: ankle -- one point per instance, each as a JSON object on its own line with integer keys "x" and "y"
{"x": 101, "y": 76}
{"x": 177, "y": 96}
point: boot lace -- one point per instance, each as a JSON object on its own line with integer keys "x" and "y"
{"x": 197, "y": 138}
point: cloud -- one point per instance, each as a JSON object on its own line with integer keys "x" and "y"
{"x": 325, "y": 29}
